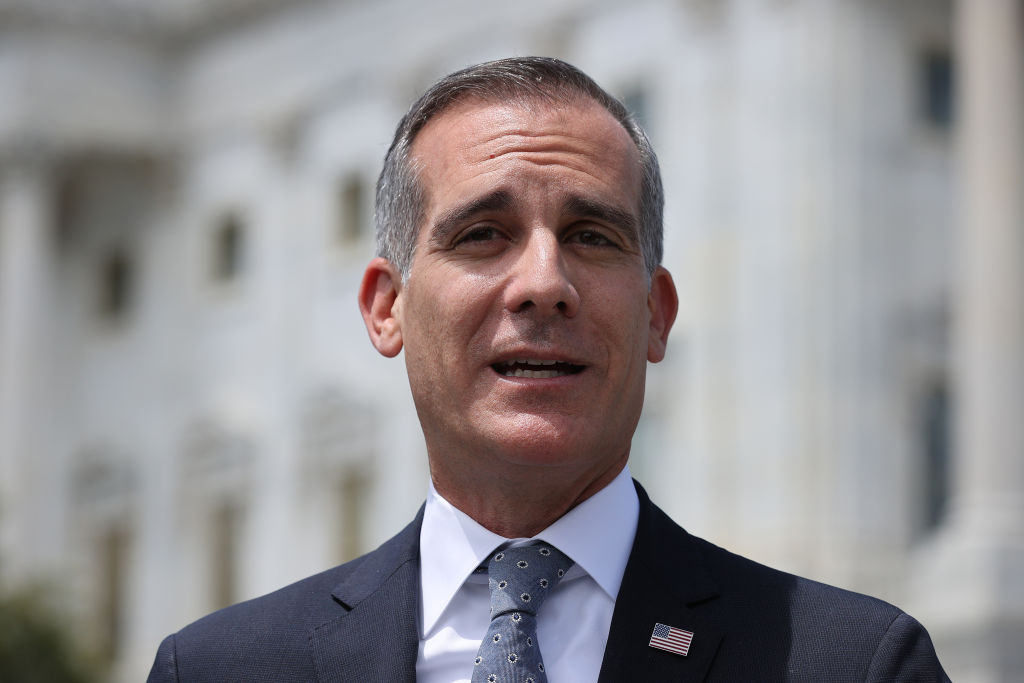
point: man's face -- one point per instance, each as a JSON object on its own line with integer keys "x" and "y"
{"x": 528, "y": 317}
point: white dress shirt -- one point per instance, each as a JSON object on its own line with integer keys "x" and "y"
{"x": 572, "y": 627}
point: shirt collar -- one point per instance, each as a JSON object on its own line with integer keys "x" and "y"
{"x": 597, "y": 534}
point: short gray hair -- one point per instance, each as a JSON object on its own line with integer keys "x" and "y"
{"x": 400, "y": 196}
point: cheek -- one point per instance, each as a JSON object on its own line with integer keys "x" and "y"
{"x": 448, "y": 322}
{"x": 633, "y": 342}
{"x": 623, "y": 309}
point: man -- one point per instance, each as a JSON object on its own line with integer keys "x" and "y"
{"x": 519, "y": 240}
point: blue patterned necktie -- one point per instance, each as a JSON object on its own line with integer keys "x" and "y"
{"x": 520, "y": 579}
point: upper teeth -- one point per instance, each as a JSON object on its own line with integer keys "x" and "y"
{"x": 514, "y": 368}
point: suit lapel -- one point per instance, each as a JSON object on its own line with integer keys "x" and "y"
{"x": 377, "y": 638}
{"x": 665, "y": 582}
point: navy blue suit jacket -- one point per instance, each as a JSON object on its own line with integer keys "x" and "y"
{"x": 358, "y": 622}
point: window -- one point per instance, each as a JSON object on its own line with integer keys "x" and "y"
{"x": 113, "y": 558}
{"x": 352, "y": 213}
{"x": 115, "y": 287}
{"x": 68, "y": 203}
{"x": 935, "y": 416}
{"x": 224, "y": 544}
{"x": 937, "y": 88}
{"x": 352, "y": 498}
{"x": 228, "y": 246}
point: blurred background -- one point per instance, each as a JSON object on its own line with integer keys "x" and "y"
{"x": 190, "y": 411}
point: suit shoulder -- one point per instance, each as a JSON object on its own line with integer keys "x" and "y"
{"x": 265, "y": 638}
{"x": 744, "y": 584}
{"x": 299, "y": 605}
{"x": 773, "y": 625}
{"x": 270, "y": 637}
{"x": 804, "y": 598}
{"x": 829, "y": 633}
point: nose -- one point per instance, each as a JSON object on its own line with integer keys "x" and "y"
{"x": 540, "y": 279}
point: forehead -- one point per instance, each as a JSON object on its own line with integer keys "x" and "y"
{"x": 576, "y": 145}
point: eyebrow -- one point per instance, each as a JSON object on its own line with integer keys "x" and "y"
{"x": 453, "y": 218}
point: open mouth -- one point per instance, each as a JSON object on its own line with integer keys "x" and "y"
{"x": 542, "y": 369}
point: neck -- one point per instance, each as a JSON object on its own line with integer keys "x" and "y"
{"x": 521, "y": 506}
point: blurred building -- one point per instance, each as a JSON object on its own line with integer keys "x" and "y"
{"x": 190, "y": 412}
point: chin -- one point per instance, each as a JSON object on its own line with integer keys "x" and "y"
{"x": 538, "y": 440}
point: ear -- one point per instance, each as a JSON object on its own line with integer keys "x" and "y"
{"x": 378, "y": 299}
{"x": 663, "y": 303}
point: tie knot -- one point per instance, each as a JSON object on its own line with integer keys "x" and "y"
{"x": 520, "y": 578}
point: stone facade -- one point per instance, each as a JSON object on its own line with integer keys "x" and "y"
{"x": 190, "y": 412}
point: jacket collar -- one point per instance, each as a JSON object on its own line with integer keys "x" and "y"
{"x": 376, "y": 638}
{"x": 667, "y": 582}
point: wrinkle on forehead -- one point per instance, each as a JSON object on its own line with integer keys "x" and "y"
{"x": 497, "y": 128}
{"x": 542, "y": 149}
{"x": 557, "y": 128}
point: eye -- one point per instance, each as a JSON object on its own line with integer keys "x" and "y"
{"x": 480, "y": 241}
{"x": 591, "y": 238}
{"x": 484, "y": 233}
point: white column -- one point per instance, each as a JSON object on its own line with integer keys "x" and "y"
{"x": 971, "y": 587}
{"x": 24, "y": 266}
{"x": 990, "y": 302}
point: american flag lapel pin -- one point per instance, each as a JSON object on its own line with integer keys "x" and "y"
{"x": 671, "y": 639}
